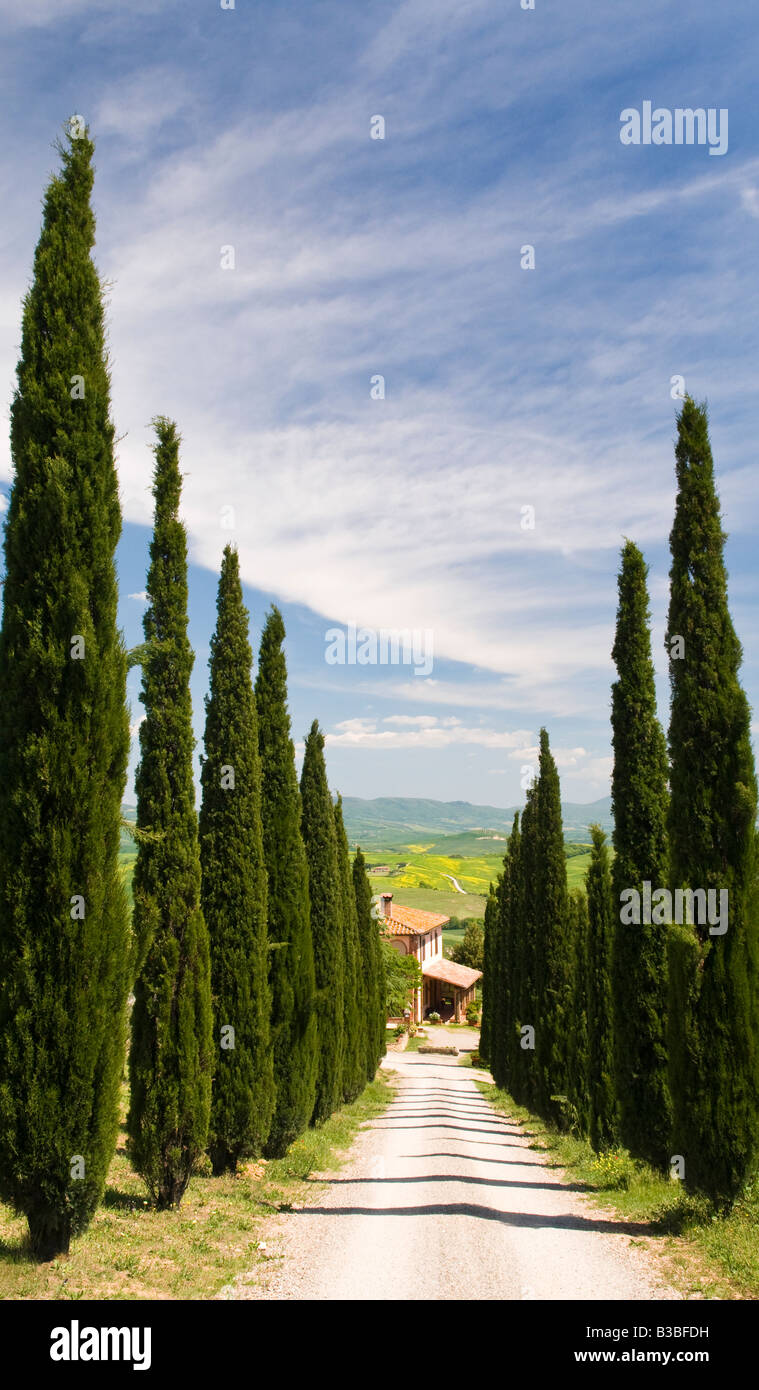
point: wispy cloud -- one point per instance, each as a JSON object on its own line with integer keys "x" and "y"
{"x": 504, "y": 389}
{"x": 437, "y": 734}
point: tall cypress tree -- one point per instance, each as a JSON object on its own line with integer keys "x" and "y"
{"x": 291, "y": 961}
{"x": 714, "y": 1012}
{"x": 579, "y": 1062}
{"x": 512, "y": 958}
{"x": 170, "y": 1060}
{"x": 496, "y": 908}
{"x": 64, "y": 742}
{"x": 552, "y": 958}
{"x": 372, "y": 967}
{"x": 600, "y": 1019}
{"x": 355, "y": 1020}
{"x": 639, "y": 803}
{"x": 505, "y": 896}
{"x": 525, "y": 1077}
{"x": 233, "y": 894}
{"x": 318, "y": 822}
{"x": 488, "y": 978}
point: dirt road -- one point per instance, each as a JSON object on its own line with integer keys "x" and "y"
{"x": 442, "y": 1198}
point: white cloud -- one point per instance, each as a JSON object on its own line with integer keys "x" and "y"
{"x": 421, "y": 721}
{"x": 142, "y": 597}
{"x": 364, "y": 733}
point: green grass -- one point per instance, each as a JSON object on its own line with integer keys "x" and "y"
{"x": 577, "y": 867}
{"x": 705, "y": 1255}
{"x": 450, "y": 904}
{"x": 427, "y": 870}
{"x": 131, "y": 1251}
{"x": 423, "y": 883}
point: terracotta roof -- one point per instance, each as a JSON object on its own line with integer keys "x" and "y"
{"x": 451, "y": 973}
{"x": 411, "y": 921}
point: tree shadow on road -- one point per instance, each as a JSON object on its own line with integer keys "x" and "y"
{"x": 526, "y": 1220}
{"x": 461, "y": 1177}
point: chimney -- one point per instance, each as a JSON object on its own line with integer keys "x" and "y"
{"x": 385, "y": 899}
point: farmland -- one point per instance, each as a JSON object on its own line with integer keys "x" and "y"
{"x": 422, "y": 870}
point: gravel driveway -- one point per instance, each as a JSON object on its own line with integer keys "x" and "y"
{"x": 442, "y": 1198}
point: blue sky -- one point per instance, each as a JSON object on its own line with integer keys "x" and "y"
{"x": 505, "y": 388}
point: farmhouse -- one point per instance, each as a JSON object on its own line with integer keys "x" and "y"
{"x": 448, "y": 988}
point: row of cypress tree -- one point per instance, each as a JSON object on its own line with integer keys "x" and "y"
{"x": 264, "y": 875}
{"x": 252, "y": 953}
{"x": 646, "y": 1033}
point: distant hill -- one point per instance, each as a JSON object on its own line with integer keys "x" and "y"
{"x": 389, "y": 820}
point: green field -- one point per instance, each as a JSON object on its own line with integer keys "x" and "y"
{"x": 577, "y": 867}
{"x": 127, "y": 851}
{"x": 422, "y": 882}
{"x": 473, "y": 858}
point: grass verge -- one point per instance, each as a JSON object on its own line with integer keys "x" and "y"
{"x": 133, "y": 1252}
{"x": 706, "y": 1256}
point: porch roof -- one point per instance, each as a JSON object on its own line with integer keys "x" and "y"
{"x": 451, "y": 973}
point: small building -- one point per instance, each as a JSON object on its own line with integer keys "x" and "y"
{"x": 447, "y": 988}
{"x": 380, "y": 869}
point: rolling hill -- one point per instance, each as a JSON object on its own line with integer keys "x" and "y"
{"x": 398, "y": 821}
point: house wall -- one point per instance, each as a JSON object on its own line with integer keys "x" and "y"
{"x": 426, "y": 947}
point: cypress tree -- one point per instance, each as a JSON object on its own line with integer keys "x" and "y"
{"x": 525, "y": 1079}
{"x": 233, "y": 893}
{"x": 639, "y": 803}
{"x": 355, "y": 1021}
{"x": 600, "y": 1018}
{"x": 170, "y": 1060}
{"x": 504, "y": 910}
{"x": 512, "y": 957}
{"x": 505, "y": 1009}
{"x": 495, "y": 908}
{"x": 372, "y": 967}
{"x": 64, "y": 743}
{"x": 318, "y": 822}
{"x": 291, "y": 960}
{"x": 714, "y": 1012}
{"x": 552, "y": 958}
{"x": 488, "y": 978}
{"x": 579, "y": 1062}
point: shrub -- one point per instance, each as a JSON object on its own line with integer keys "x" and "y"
{"x": 433, "y": 1018}
{"x": 472, "y": 1015}
{"x": 613, "y": 1171}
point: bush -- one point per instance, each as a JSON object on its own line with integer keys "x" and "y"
{"x": 613, "y": 1171}
{"x": 399, "y": 1030}
{"x": 472, "y": 1015}
{"x": 683, "y": 1212}
{"x": 433, "y": 1018}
